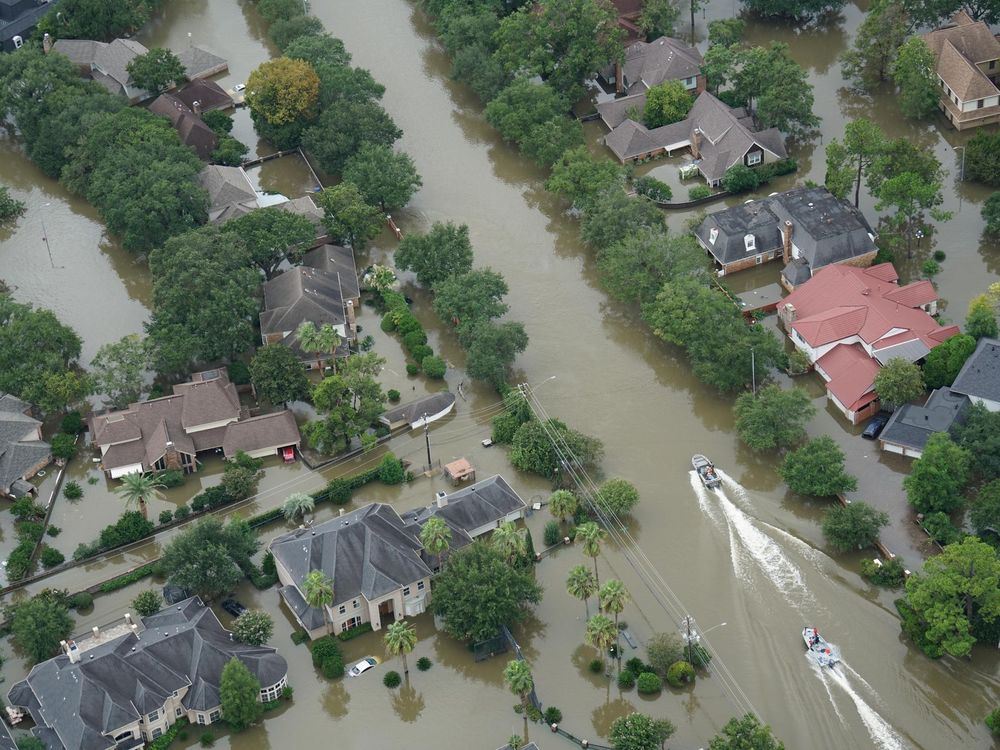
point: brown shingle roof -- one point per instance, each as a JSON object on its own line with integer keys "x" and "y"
{"x": 192, "y": 131}
{"x": 257, "y": 433}
{"x": 962, "y": 76}
{"x": 972, "y": 39}
{"x": 208, "y": 94}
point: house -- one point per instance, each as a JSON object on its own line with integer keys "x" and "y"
{"x": 648, "y": 64}
{"x": 966, "y": 55}
{"x": 978, "y": 382}
{"x": 808, "y": 228}
{"x": 420, "y": 412}
{"x": 22, "y": 451}
{"x": 106, "y": 63}
{"x": 187, "y": 122}
{"x": 324, "y": 289}
{"x": 718, "y": 136}
{"x": 199, "y": 63}
{"x": 851, "y": 321}
{"x": 230, "y": 192}
{"x": 18, "y": 19}
{"x": 629, "y": 12}
{"x": 204, "y": 96}
{"x": 201, "y": 416}
{"x": 124, "y": 685}
{"x": 374, "y": 556}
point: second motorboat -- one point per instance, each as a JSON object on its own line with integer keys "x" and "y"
{"x": 706, "y": 471}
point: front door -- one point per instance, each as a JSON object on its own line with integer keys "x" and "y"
{"x": 386, "y": 614}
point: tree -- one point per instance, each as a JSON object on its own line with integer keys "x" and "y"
{"x": 340, "y": 131}
{"x": 745, "y": 733}
{"x": 817, "y": 469}
{"x": 991, "y": 213}
{"x": 870, "y": 60}
{"x": 272, "y": 235}
{"x": 102, "y": 20}
{"x": 563, "y": 505}
{"x": 980, "y": 321}
{"x": 853, "y": 526}
{"x": 517, "y": 677}
{"x": 156, "y": 71}
{"x": 985, "y": 511}
{"x": 774, "y": 418}
{"x": 10, "y": 208}
{"x": 298, "y": 505}
{"x": 863, "y": 143}
{"x": 979, "y": 434}
{"x": 617, "y": 497}
{"x": 613, "y": 216}
{"x": 254, "y": 627}
{"x": 282, "y": 95}
{"x": 478, "y": 591}
{"x": 909, "y": 195}
{"x": 982, "y": 159}
{"x": 350, "y": 403}
{"x": 317, "y": 590}
{"x": 637, "y": 731}
{"x": 793, "y": 9}
{"x": 204, "y": 305}
{"x": 285, "y": 31}
{"x": 383, "y": 176}
{"x": 147, "y": 603}
{"x": 601, "y": 634}
{"x": 898, "y": 382}
{"x": 932, "y": 12}
{"x": 581, "y": 584}
{"x": 322, "y": 340}
{"x": 955, "y": 596}
{"x": 532, "y": 449}
{"x": 33, "y": 345}
{"x": 936, "y": 481}
{"x": 726, "y": 31}
{"x": 664, "y": 649}
{"x": 658, "y": 18}
{"x": 563, "y": 41}
{"x": 719, "y": 65}
{"x": 509, "y": 541}
{"x": 470, "y": 297}
{"x": 491, "y": 348}
{"x": 400, "y": 638}
{"x": 533, "y": 115}
{"x": 207, "y": 558}
{"x": 238, "y": 693}
{"x": 435, "y": 535}
{"x": 770, "y": 82}
{"x": 635, "y": 269}
{"x": 40, "y": 623}
{"x": 942, "y": 365}
{"x": 580, "y": 177}
{"x": 666, "y": 103}
{"x": 278, "y": 10}
{"x": 119, "y": 369}
{"x": 138, "y": 489}
{"x": 443, "y": 252}
{"x": 592, "y": 536}
{"x": 347, "y": 217}
{"x": 60, "y": 391}
{"x": 277, "y": 375}
{"x": 913, "y": 72}
{"x": 613, "y": 597}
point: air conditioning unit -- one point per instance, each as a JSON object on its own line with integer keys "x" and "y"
{"x": 18, "y": 42}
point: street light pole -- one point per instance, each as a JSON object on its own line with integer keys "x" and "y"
{"x": 961, "y": 174}
{"x": 753, "y": 371}
{"x": 427, "y": 440}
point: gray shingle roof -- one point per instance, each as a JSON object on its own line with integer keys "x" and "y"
{"x": 20, "y": 450}
{"x": 413, "y": 411}
{"x": 230, "y": 193}
{"x": 75, "y": 705}
{"x": 198, "y": 62}
{"x": 649, "y": 64}
{"x": 980, "y": 375}
{"x": 337, "y": 261}
{"x": 298, "y": 295}
{"x": 912, "y": 426}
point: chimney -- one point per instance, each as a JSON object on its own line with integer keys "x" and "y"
{"x": 619, "y": 79}
{"x": 135, "y": 630}
{"x": 696, "y": 143}
{"x": 171, "y": 458}
{"x": 441, "y": 498}
{"x": 97, "y": 633}
{"x": 196, "y": 107}
{"x": 128, "y": 618}
{"x": 341, "y": 512}
{"x": 46, "y": 43}
{"x": 71, "y": 651}
{"x": 786, "y": 242}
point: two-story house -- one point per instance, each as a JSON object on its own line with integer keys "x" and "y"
{"x": 124, "y": 685}
{"x": 967, "y": 63}
{"x": 850, "y": 321}
{"x": 204, "y": 415}
{"x": 22, "y": 450}
{"x": 648, "y": 64}
{"x": 374, "y": 556}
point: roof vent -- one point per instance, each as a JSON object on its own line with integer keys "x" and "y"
{"x": 866, "y": 291}
{"x": 810, "y": 204}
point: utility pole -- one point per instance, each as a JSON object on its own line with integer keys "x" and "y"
{"x": 753, "y": 371}
{"x": 427, "y": 440}
{"x": 690, "y": 636}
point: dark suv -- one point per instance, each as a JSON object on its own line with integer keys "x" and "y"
{"x": 875, "y": 427}
{"x": 233, "y": 607}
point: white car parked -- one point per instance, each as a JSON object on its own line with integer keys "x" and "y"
{"x": 362, "y": 666}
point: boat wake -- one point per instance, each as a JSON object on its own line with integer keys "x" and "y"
{"x": 880, "y": 731}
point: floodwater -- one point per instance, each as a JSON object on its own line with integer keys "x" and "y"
{"x": 751, "y": 555}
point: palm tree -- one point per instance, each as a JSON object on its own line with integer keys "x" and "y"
{"x": 563, "y": 505}
{"x": 517, "y": 675}
{"x": 317, "y": 590}
{"x": 601, "y": 633}
{"x": 322, "y": 340}
{"x": 298, "y": 504}
{"x": 137, "y": 489}
{"x": 582, "y": 584}
{"x": 509, "y": 541}
{"x": 436, "y": 537}
{"x": 400, "y": 638}
{"x": 591, "y": 535}
{"x": 613, "y": 597}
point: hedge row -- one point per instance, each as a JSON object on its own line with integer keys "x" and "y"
{"x": 361, "y": 629}
{"x": 398, "y": 318}
{"x": 128, "y": 579}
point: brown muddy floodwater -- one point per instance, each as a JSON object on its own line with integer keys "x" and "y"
{"x": 752, "y": 558}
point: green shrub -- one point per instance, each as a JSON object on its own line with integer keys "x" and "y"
{"x": 993, "y": 720}
{"x": 414, "y": 339}
{"x": 767, "y": 172}
{"x": 198, "y": 503}
{"x": 72, "y": 490}
{"x": 287, "y": 692}
{"x": 33, "y": 530}
{"x": 163, "y": 741}
{"x": 367, "y": 343}
{"x": 626, "y": 680}
{"x": 338, "y": 491}
{"x": 19, "y": 564}
{"x": 182, "y": 512}
{"x": 408, "y": 324}
{"x": 552, "y": 715}
{"x": 392, "y": 679}
{"x": 26, "y": 509}
{"x": 740, "y": 178}
{"x": 299, "y": 637}
{"x": 699, "y": 191}
{"x": 52, "y": 557}
{"x": 207, "y": 739}
{"x": 649, "y": 683}
{"x": 53, "y": 530}
{"x": 128, "y": 579}
{"x": 72, "y": 423}
{"x": 170, "y": 478}
{"x": 347, "y": 635}
{"x": 423, "y": 663}
{"x": 130, "y": 527}
{"x": 891, "y": 573}
{"x": 63, "y": 446}
{"x": 534, "y": 714}
{"x": 420, "y": 353}
{"x": 552, "y": 534}
{"x": 596, "y": 666}
{"x": 239, "y": 373}
{"x": 147, "y": 603}
{"x": 83, "y": 600}
{"x": 411, "y": 369}
{"x": 434, "y": 367}
{"x": 166, "y": 516}
{"x": 653, "y": 189}
{"x": 263, "y": 581}
{"x": 327, "y": 657}
{"x": 86, "y": 549}
{"x": 637, "y": 666}
{"x": 393, "y": 395}
{"x": 679, "y": 673}
{"x": 390, "y": 470}
{"x": 941, "y": 529}
{"x": 388, "y": 324}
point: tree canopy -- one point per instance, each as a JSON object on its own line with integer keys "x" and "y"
{"x": 617, "y": 496}
{"x": 938, "y": 477}
{"x": 34, "y": 345}
{"x": 39, "y": 623}
{"x": 849, "y": 527}
{"x": 580, "y": 177}
{"x": 635, "y": 268}
{"x": 637, "y": 731}
{"x": 347, "y": 217}
{"x": 981, "y": 320}
{"x": 272, "y": 235}
{"x": 238, "y": 693}
{"x": 478, "y": 591}
{"x": 869, "y": 61}
{"x": 384, "y": 177}
{"x": 277, "y": 375}
{"x": 774, "y": 418}
{"x": 348, "y": 404}
{"x": 102, "y": 20}
{"x": 913, "y": 72}
{"x": 794, "y": 9}
{"x": 985, "y": 511}
{"x": 531, "y": 448}
{"x": 666, "y": 103}
{"x": 491, "y": 348}
{"x": 442, "y": 252}
{"x": 471, "y": 297}
{"x": 817, "y": 468}
{"x": 208, "y": 557}
{"x": 898, "y": 382}
{"x": 533, "y": 115}
{"x": 341, "y": 130}
{"x": 745, "y": 733}
{"x": 979, "y": 435}
{"x": 283, "y": 95}
{"x": 157, "y": 70}
{"x": 942, "y": 365}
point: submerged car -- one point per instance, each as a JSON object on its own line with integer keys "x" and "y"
{"x": 233, "y": 607}
{"x": 362, "y": 666}
{"x": 875, "y": 427}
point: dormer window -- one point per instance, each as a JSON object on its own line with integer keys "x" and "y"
{"x": 713, "y": 235}
{"x": 750, "y": 242}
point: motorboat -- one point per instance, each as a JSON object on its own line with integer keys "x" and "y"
{"x": 706, "y": 471}
{"x": 826, "y": 653}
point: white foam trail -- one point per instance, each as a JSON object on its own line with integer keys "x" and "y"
{"x": 848, "y": 668}
{"x": 881, "y": 732}
{"x": 704, "y": 501}
{"x": 826, "y": 685}
{"x": 738, "y": 490}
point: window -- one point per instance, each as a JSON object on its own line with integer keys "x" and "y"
{"x": 214, "y": 716}
{"x": 178, "y": 711}
{"x": 406, "y": 590}
{"x": 993, "y": 64}
{"x": 420, "y": 585}
{"x": 979, "y": 104}
{"x": 356, "y": 605}
{"x": 343, "y": 609}
{"x": 690, "y": 83}
{"x": 123, "y": 736}
{"x": 754, "y": 157}
{"x": 156, "y": 733}
{"x": 153, "y": 716}
{"x": 352, "y": 622}
{"x": 201, "y": 718}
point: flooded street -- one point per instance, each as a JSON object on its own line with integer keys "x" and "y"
{"x": 751, "y": 555}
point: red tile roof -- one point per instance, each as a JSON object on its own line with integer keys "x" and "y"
{"x": 915, "y": 294}
{"x": 852, "y": 375}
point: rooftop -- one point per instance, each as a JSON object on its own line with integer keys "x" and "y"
{"x": 911, "y": 426}
{"x": 20, "y": 448}
{"x": 414, "y": 411}
{"x": 980, "y": 375}
{"x": 959, "y": 48}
